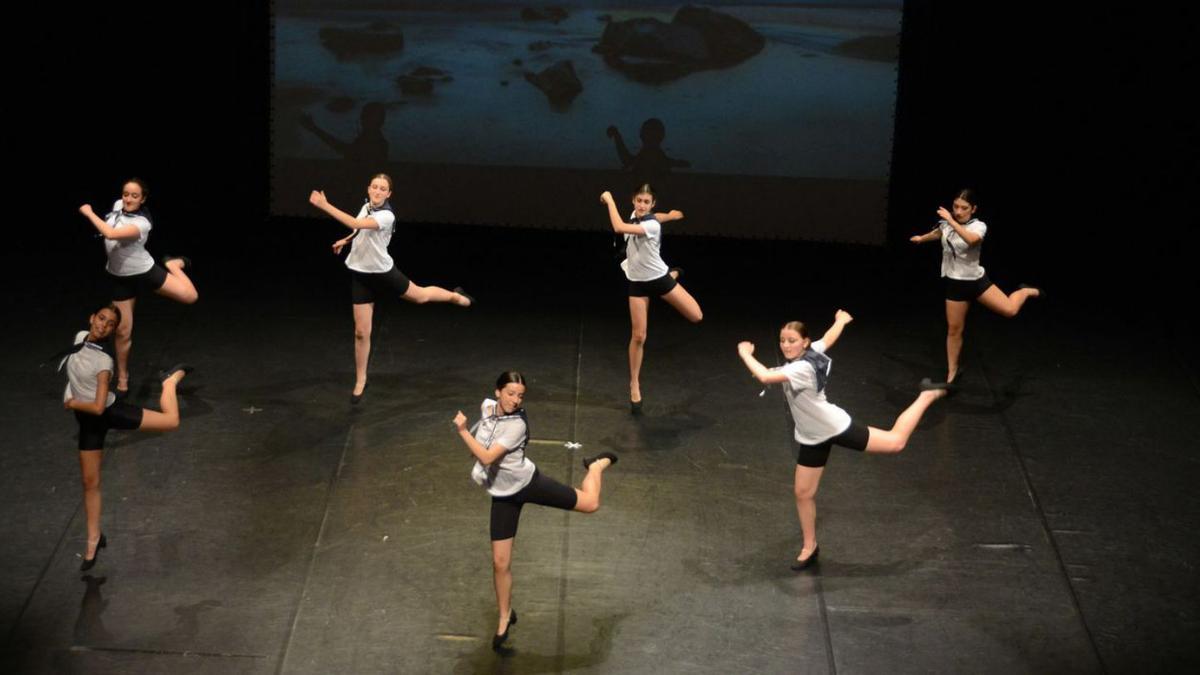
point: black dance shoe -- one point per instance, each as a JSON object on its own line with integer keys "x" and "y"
{"x": 185, "y": 367}
{"x": 355, "y": 399}
{"x": 801, "y": 565}
{"x": 187, "y": 262}
{"x": 1041, "y": 291}
{"x": 635, "y": 408}
{"x": 612, "y": 459}
{"x": 89, "y": 564}
{"x": 498, "y": 640}
{"x": 460, "y": 291}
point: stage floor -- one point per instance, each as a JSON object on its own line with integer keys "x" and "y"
{"x": 1040, "y": 521}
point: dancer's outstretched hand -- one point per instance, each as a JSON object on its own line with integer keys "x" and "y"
{"x": 86, "y": 210}
{"x": 460, "y": 421}
{"x": 745, "y": 348}
{"x": 606, "y": 197}
{"x": 842, "y": 316}
{"x": 944, "y": 214}
{"x": 317, "y": 199}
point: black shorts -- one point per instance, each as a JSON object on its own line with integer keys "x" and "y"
{"x": 127, "y": 288}
{"x": 506, "y": 511}
{"x": 854, "y": 437}
{"x": 660, "y": 286}
{"x": 93, "y": 428}
{"x": 966, "y": 291}
{"x": 364, "y": 285}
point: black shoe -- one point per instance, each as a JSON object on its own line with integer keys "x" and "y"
{"x": 185, "y": 367}
{"x": 801, "y": 565}
{"x": 929, "y": 385}
{"x": 355, "y": 399}
{"x": 89, "y": 564}
{"x": 498, "y": 640}
{"x": 678, "y": 272}
{"x": 1041, "y": 292}
{"x": 187, "y": 262}
{"x": 612, "y": 458}
{"x": 635, "y": 408}
{"x": 460, "y": 291}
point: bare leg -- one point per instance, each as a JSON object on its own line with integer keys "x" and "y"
{"x": 178, "y": 286}
{"x": 422, "y": 294}
{"x": 684, "y": 303}
{"x": 168, "y": 419}
{"x": 362, "y": 344}
{"x": 956, "y": 320}
{"x": 502, "y": 577}
{"x": 807, "y": 480}
{"x": 639, "y": 310}
{"x": 587, "y": 495}
{"x": 893, "y": 440}
{"x": 1006, "y": 305}
{"x": 89, "y": 467}
{"x": 124, "y": 342}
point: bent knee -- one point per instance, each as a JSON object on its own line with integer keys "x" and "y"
{"x": 587, "y": 505}
{"x": 190, "y": 298}
{"x": 697, "y": 318}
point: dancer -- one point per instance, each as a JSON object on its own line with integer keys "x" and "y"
{"x": 961, "y": 234}
{"x": 89, "y": 371}
{"x": 498, "y": 443}
{"x": 819, "y": 424}
{"x": 648, "y": 275}
{"x": 131, "y": 269}
{"x": 372, "y": 270}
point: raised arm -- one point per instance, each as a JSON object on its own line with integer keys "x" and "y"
{"x": 972, "y": 238}
{"x": 93, "y": 407}
{"x": 619, "y": 225}
{"x": 317, "y": 199}
{"x": 932, "y": 235}
{"x": 486, "y": 456}
{"x": 109, "y": 232}
{"x": 338, "y": 145}
{"x": 840, "y": 319}
{"x": 758, "y": 370}
{"x": 623, "y": 153}
{"x": 673, "y": 214}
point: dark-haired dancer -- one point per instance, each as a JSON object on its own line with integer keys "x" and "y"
{"x": 89, "y": 371}
{"x": 372, "y": 270}
{"x": 498, "y": 443}
{"x": 819, "y": 424}
{"x": 961, "y": 234}
{"x": 648, "y": 275}
{"x": 131, "y": 269}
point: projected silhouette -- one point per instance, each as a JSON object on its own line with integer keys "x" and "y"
{"x": 369, "y": 148}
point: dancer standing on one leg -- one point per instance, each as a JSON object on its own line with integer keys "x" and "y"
{"x": 372, "y": 270}
{"x": 498, "y": 443}
{"x": 648, "y": 275}
{"x": 89, "y": 372}
{"x": 961, "y": 234}
{"x": 819, "y": 424}
{"x": 131, "y": 269}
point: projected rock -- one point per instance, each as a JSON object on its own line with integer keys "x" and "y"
{"x": 559, "y": 82}
{"x": 649, "y": 50}
{"x": 420, "y": 80}
{"x": 551, "y": 14}
{"x": 380, "y": 37}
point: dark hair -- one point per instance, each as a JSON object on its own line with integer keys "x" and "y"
{"x": 140, "y": 183}
{"x": 968, "y": 195}
{"x": 645, "y": 189}
{"x": 797, "y": 326}
{"x": 508, "y": 377}
{"x": 115, "y": 310}
{"x": 383, "y": 176}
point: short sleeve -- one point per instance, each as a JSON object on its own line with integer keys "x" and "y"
{"x": 800, "y": 375}
{"x": 510, "y": 434}
{"x": 653, "y": 229}
{"x": 978, "y": 227}
{"x": 142, "y": 224}
{"x": 819, "y": 346}
{"x": 385, "y": 219}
